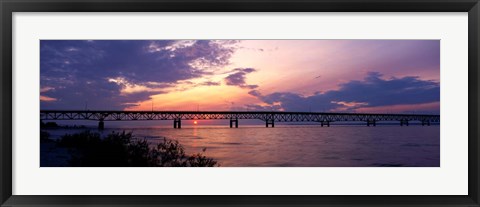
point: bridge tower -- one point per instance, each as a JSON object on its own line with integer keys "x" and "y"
{"x": 403, "y": 122}
{"x": 232, "y": 120}
{"x": 373, "y": 122}
{"x": 270, "y": 119}
{"x": 425, "y": 122}
{"x": 324, "y": 122}
{"x": 177, "y": 123}
{"x": 101, "y": 125}
{"x": 269, "y": 122}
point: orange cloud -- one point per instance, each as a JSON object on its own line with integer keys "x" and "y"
{"x": 46, "y": 98}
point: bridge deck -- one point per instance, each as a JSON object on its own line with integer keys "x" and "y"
{"x": 277, "y": 116}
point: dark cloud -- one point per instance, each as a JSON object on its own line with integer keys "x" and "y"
{"x": 253, "y": 107}
{"x": 210, "y": 83}
{"x": 372, "y": 91}
{"x": 82, "y": 70}
{"x": 255, "y": 93}
{"x": 238, "y": 78}
{"x": 92, "y": 95}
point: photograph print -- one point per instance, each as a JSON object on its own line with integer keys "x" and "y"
{"x": 239, "y": 103}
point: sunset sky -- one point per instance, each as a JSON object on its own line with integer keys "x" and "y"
{"x": 374, "y": 76}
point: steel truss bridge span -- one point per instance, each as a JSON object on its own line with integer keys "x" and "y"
{"x": 269, "y": 117}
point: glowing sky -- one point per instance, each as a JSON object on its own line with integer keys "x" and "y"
{"x": 288, "y": 75}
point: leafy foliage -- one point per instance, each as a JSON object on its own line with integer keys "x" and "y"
{"x": 122, "y": 150}
{"x": 44, "y": 136}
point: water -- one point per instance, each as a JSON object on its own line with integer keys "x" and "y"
{"x": 303, "y": 146}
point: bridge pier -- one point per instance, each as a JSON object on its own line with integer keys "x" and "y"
{"x": 371, "y": 122}
{"x": 403, "y": 122}
{"x": 236, "y": 122}
{"x": 101, "y": 125}
{"x": 425, "y": 122}
{"x": 269, "y": 121}
{"x": 177, "y": 123}
{"x": 325, "y": 123}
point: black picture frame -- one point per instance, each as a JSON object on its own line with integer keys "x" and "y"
{"x": 7, "y": 8}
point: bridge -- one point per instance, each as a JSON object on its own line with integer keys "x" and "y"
{"x": 269, "y": 117}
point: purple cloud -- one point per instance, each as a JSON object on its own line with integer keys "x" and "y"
{"x": 238, "y": 78}
{"x": 255, "y": 93}
{"x": 81, "y": 71}
{"x": 210, "y": 83}
{"x": 372, "y": 91}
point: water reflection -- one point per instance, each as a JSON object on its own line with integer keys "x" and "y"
{"x": 308, "y": 146}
